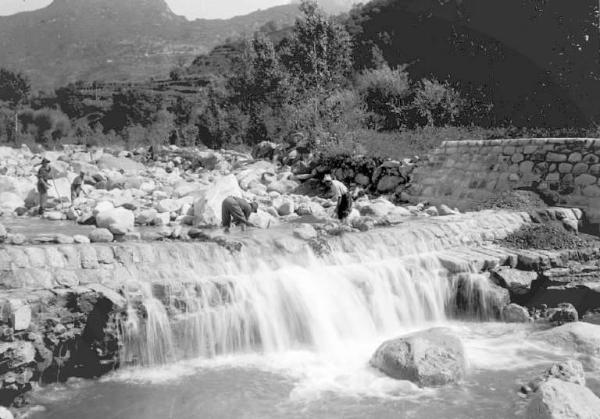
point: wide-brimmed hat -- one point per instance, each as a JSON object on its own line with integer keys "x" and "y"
{"x": 327, "y": 178}
{"x": 254, "y": 206}
{"x": 45, "y": 160}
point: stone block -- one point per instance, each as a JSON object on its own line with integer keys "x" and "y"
{"x": 565, "y": 167}
{"x": 556, "y": 157}
{"x": 575, "y": 157}
{"x": 580, "y": 168}
{"x": 592, "y": 191}
{"x": 517, "y": 158}
{"x": 89, "y": 258}
{"x": 591, "y": 159}
{"x": 595, "y": 170}
{"x": 585, "y": 179}
{"x": 526, "y": 166}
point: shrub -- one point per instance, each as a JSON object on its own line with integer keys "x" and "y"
{"x": 438, "y": 103}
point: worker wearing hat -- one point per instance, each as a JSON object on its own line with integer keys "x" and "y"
{"x": 341, "y": 195}
{"x": 43, "y": 184}
{"x": 237, "y": 210}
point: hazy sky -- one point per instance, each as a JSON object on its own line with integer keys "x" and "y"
{"x": 209, "y": 9}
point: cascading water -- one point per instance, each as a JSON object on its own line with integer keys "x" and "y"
{"x": 272, "y": 298}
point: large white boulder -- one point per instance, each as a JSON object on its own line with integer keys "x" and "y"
{"x": 60, "y": 188}
{"x": 109, "y": 162}
{"x": 118, "y": 220}
{"x": 263, "y": 219}
{"x": 207, "y": 208}
{"x": 168, "y": 205}
{"x": 254, "y": 173}
{"x": 10, "y": 201}
{"x": 580, "y": 336}
{"x": 432, "y": 357}
{"x": 558, "y": 399}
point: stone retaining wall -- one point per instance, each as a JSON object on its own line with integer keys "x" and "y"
{"x": 460, "y": 173}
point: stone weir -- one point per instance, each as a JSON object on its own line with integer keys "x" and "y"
{"x": 460, "y": 173}
{"x": 83, "y": 310}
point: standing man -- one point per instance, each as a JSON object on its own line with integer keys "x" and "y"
{"x": 237, "y": 210}
{"x": 76, "y": 186}
{"x": 340, "y": 194}
{"x": 43, "y": 184}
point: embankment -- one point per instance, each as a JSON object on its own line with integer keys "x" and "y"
{"x": 461, "y": 173}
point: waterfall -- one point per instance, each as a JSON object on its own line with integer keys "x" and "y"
{"x": 204, "y": 301}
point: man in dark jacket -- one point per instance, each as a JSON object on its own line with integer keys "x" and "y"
{"x": 43, "y": 184}
{"x": 237, "y": 210}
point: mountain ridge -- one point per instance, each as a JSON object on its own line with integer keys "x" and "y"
{"x": 111, "y": 40}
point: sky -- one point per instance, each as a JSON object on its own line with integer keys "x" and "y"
{"x": 208, "y": 9}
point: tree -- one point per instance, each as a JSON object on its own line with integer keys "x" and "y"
{"x": 132, "y": 107}
{"x": 70, "y": 101}
{"x": 14, "y": 87}
{"x": 319, "y": 52}
{"x": 386, "y": 93}
{"x": 437, "y": 102}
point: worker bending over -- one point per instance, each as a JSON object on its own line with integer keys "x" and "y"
{"x": 341, "y": 195}
{"x": 237, "y": 210}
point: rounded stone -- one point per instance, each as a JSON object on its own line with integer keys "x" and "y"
{"x": 575, "y": 157}
{"x": 591, "y": 159}
{"x": 101, "y": 235}
{"x": 517, "y": 158}
{"x": 585, "y": 179}
{"x": 595, "y": 170}
{"x": 514, "y": 313}
{"x": 565, "y": 167}
{"x": 430, "y": 358}
{"x": 555, "y": 157}
{"x": 526, "y": 167}
{"x": 580, "y": 168}
{"x": 591, "y": 191}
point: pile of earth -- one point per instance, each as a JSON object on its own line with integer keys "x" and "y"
{"x": 515, "y": 200}
{"x": 548, "y": 236}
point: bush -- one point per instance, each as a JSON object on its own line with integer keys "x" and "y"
{"x": 386, "y": 93}
{"x": 438, "y": 103}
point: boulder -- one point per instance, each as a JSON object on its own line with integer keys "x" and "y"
{"x": 80, "y": 239}
{"x": 429, "y": 358}
{"x": 168, "y": 205}
{"x": 101, "y": 235}
{"x": 17, "y": 313}
{"x": 146, "y": 217}
{"x": 564, "y": 313}
{"x": 514, "y": 313}
{"x": 388, "y": 183}
{"x": 207, "y": 208}
{"x": 109, "y": 162}
{"x": 516, "y": 281}
{"x": 311, "y": 208}
{"x": 5, "y": 413}
{"x": 118, "y": 220}
{"x": 103, "y": 206}
{"x": 557, "y": 399}
{"x": 580, "y": 336}
{"x": 162, "y": 219}
{"x": 305, "y": 232}
{"x": 16, "y": 354}
{"x": 446, "y": 210}
{"x": 263, "y": 219}
{"x": 284, "y": 206}
{"x": 254, "y": 173}
{"x": 378, "y": 208}
{"x": 283, "y": 186}
{"x": 10, "y": 201}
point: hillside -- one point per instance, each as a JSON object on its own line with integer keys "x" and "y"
{"x": 536, "y": 61}
{"x": 115, "y": 40}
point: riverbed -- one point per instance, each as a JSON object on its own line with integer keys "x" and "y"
{"x": 310, "y": 384}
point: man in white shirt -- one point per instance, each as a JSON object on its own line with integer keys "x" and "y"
{"x": 341, "y": 195}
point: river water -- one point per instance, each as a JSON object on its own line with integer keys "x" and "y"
{"x": 278, "y": 331}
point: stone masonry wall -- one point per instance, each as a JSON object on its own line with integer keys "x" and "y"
{"x": 460, "y": 173}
